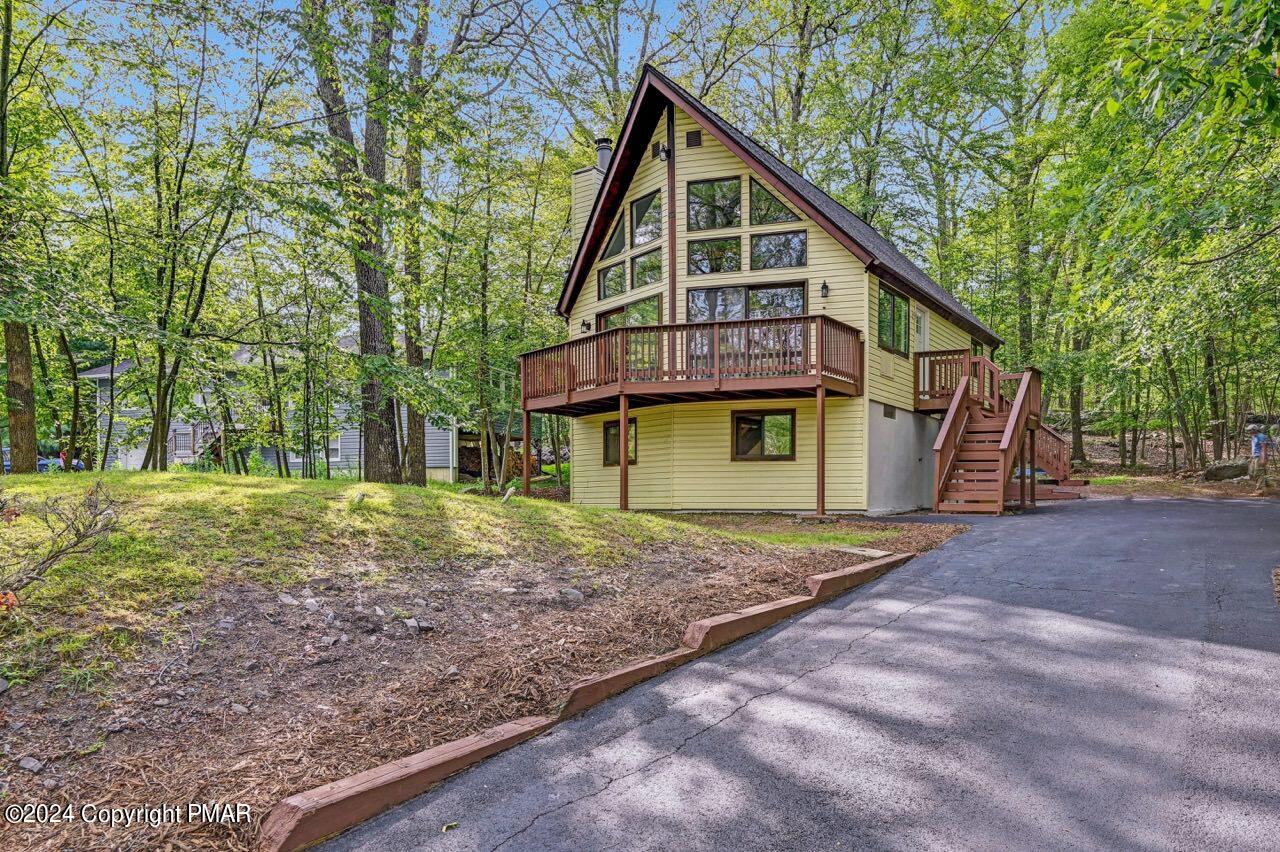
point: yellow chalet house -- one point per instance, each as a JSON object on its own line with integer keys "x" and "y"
{"x": 741, "y": 341}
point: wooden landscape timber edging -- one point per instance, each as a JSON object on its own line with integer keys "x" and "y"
{"x": 311, "y": 816}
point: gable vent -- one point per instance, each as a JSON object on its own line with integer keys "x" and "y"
{"x": 693, "y": 139}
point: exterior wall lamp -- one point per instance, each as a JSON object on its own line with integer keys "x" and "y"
{"x": 664, "y": 153}
{"x": 586, "y": 327}
{"x": 825, "y": 290}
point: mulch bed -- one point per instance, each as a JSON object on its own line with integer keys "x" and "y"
{"x": 252, "y": 698}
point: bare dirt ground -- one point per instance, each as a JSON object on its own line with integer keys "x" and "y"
{"x": 258, "y": 694}
{"x": 1152, "y": 477}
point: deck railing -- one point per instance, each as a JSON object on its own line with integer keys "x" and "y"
{"x": 715, "y": 351}
{"x": 938, "y": 373}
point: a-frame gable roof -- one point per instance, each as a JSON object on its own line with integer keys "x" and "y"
{"x": 652, "y": 95}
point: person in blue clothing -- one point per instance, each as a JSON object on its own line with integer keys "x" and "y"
{"x": 1260, "y": 443}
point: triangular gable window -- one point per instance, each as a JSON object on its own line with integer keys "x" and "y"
{"x": 617, "y": 241}
{"x": 766, "y": 209}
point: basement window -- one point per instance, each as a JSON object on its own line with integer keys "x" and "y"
{"x": 764, "y": 435}
{"x": 611, "y": 439}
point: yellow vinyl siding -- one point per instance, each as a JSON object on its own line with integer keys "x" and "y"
{"x": 650, "y": 175}
{"x": 684, "y": 459}
{"x": 890, "y": 377}
{"x": 648, "y": 480}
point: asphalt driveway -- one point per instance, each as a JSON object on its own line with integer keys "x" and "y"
{"x": 1104, "y": 674}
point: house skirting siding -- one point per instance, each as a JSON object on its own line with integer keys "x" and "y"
{"x": 900, "y": 464}
{"x": 683, "y": 460}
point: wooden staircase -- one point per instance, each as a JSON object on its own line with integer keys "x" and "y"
{"x": 991, "y": 445}
{"x": 973, "y": 482}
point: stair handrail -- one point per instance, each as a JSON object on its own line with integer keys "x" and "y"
{"x": 953, "y": 426}
{"x": 1015, "y": 427}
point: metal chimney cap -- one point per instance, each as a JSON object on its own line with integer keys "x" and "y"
{"x": 604, "y": 142}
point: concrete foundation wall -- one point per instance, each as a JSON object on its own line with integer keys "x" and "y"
{"x": 900, "y": 462}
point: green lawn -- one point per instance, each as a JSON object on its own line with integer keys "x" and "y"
{"x": 181, "y": 534}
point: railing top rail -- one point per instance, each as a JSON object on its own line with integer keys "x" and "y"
{"x": 745, "y": 323}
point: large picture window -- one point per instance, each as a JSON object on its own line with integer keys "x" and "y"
{"x": 646, "y": 219}
{"x": 714, "y": 204}
{"x": 779, "y": 251}
{"x": 718, "y": 255}
{"x": 766, "y": 209}
{"x": 718, "y": 304}
{"x": 611, "y": 441}
{"x": 764, "y": 435}
{"x": 646, "y": 269}
{"x": 893, "y": 325}
{"x": 613, "y": 281}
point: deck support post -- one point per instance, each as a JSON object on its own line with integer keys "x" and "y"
{"x": 624, "y": 444}
{"x": 1031, "y": 439}
{"x": 821, "y": 508}
{"x": 527, "y": 440}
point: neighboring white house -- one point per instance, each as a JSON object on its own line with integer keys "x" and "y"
{"x": 188, "y": 440}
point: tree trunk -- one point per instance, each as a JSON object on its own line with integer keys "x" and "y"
{"x": 20, "y": 390}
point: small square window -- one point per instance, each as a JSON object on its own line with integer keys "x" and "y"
{"x": 646, "y": 269}
{"x": 764, "y": 435}
{"x": 613, "y": 281}
{"x": 719, "y": 255}
{"x": 780, "y": 251}
{"x": 714, "y": 204}
{"x": 612, "y": 439}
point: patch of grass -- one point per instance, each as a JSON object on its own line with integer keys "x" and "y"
{"x": 812, "y": 538}
{"x": 181, "y": 533}
{"x": 1117, "y": 479}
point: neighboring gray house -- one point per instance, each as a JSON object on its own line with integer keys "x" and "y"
{"x": 188, "y": 440}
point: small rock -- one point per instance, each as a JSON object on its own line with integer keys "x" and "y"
{"x": 239, "y": 708}
{"x": 419, "y": 602}
{"x": 287, "y": 599}
{"x": 344, "y": 638}
{"x": 259, "y": 693}
{"x": 250, "y": 665}
{"x": 377, "y": 610}
{"x": 452, "y": 672}
{"x": 226, "y": 623}
{"x": 161, "y": 702}
{"x": 571, "y": 595}
{"x": 311, "y": 604}
{"x": 330, "y": 617}
{"x": 412, "y": 624}
{"x": 507, "y": 591}
{"x": 31, "y": 764}
{"x": 436, "y": 606}
{"x": 328, "y": 641}
{"x": 50, "y": 783}
{"x": 4, "y": 685}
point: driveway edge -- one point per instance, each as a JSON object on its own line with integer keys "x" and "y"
{"x": 314, "y": 815}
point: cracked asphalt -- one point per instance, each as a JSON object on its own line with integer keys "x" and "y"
{"x": 1101, "y": 674}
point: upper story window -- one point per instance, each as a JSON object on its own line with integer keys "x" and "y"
{"x": 778, "y": 251}
{"x": 646, "y": 269}
{"x": 975, "y": 347}
{"x": 612, "y": 281}
{"x": 766, "y": 209}
{"x": 714, "y": 204}
{"x": 718, "y": 255}
{"x": 646, "y": 219}
{"x": 617, "y": 240}
{"x": 893, "y": 326}
{"x": 640, "y": 312}
{"x": 763, "y": 301}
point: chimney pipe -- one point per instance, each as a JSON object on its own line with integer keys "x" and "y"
{"x": 604, "y": 152}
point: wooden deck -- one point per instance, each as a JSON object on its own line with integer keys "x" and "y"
{"x": 660, "y": 364}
